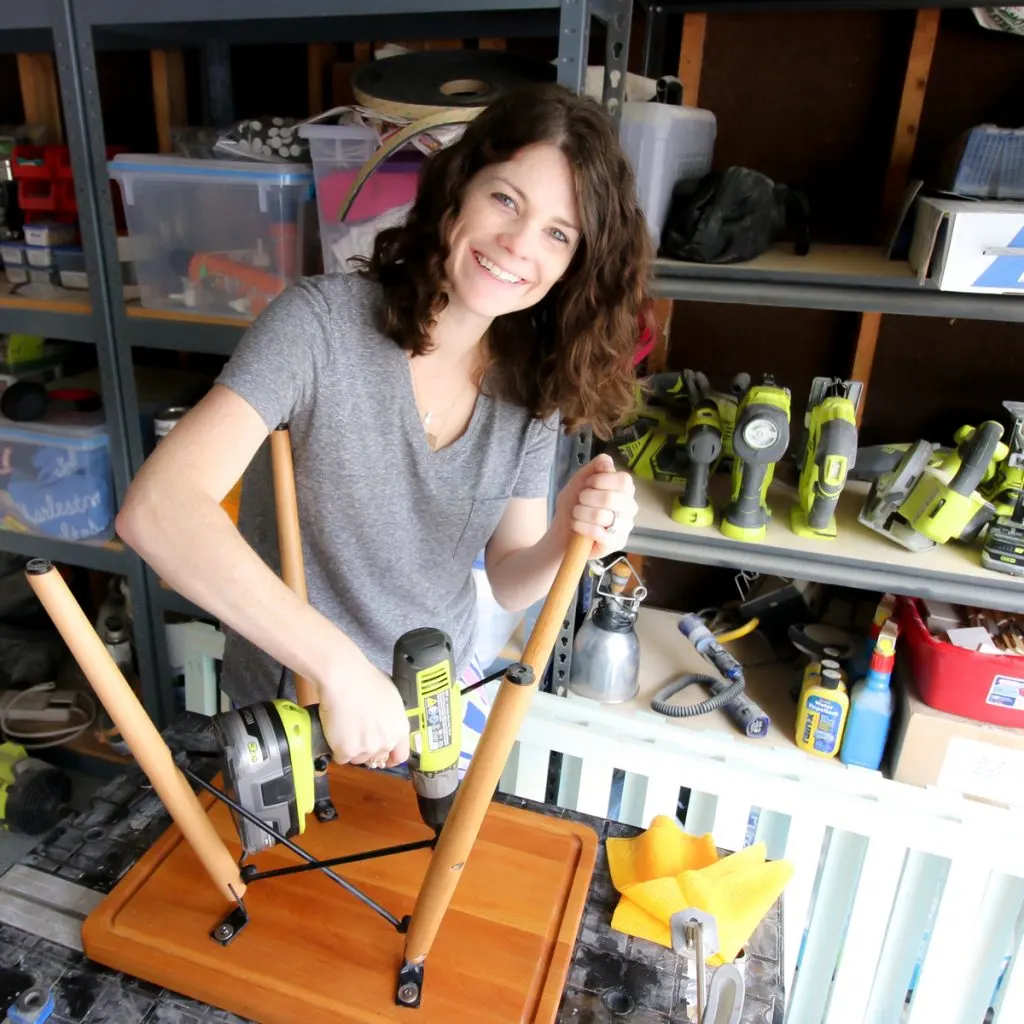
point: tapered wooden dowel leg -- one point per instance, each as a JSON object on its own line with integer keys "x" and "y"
{"x": 286, "y": 503}
{"x": 135, "y": 726}
{"x": 488, "y": 762}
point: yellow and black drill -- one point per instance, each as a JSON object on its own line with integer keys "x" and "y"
{"x": 272, "y": 750}
{"x": 759, "y": 441}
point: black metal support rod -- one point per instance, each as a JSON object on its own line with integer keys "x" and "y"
{"x": 483, "y": 682}
{"x": 297, "y": 850}
{"x": 352, "y": 858}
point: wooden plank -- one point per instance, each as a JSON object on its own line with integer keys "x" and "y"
{"x": 691, "y": 56}
{"x": 1001, "y": 911}
{"x": 803, "y": 851}
{"x": 864, "y": 356}
{"x": 492, "y": 44}
{"x": 319, "y": 58}
{"x": 170, "y": 99}
{"x": 908, "y": 120}
{"x": 40, "y": 96}
{"x": 502, "y": 953}
{"x": 658, "y": 358}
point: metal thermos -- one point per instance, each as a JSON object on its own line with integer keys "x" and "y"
{"x": 606, "y": 650}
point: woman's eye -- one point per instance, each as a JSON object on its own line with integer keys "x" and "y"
{"x": 505, "y": 200}
{"x": 559, "y": 235}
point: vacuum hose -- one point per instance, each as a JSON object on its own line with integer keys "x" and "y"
{"x": 723, "y": 692}
{"x": 659, "y": 702}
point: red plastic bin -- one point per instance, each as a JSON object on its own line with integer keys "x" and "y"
{"x": 984, "y": 687}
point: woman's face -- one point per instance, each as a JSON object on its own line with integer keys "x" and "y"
{"x": 516, "y": 233}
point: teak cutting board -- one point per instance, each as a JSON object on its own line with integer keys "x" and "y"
{"x": 311, "y": 952}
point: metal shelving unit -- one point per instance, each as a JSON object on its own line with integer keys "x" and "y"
{"x": 91, "y": 25}
{"x": 831, "y": 277}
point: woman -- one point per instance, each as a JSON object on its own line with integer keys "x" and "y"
{"x": 423, "y": 393}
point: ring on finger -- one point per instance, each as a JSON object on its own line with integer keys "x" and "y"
{"x": 613, "y": 525}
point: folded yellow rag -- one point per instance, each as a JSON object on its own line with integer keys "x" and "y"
{"x": 665, "y": 870}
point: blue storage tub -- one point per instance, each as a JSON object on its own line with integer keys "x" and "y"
{"x": 56, "y": 478}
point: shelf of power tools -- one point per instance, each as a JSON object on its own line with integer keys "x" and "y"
{"x": 911, "y": 519}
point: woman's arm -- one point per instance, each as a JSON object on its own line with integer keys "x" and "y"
{"x": 524, "y": 554}
{"x": 172, "y": 517}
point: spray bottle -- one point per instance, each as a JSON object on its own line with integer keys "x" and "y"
{"x": 871, "y": 706}
{"x": 859, "y": 663}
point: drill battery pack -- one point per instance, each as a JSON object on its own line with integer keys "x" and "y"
{"x": 1004, "y": 547}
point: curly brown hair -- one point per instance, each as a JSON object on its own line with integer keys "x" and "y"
{"x": 573, "y": 351}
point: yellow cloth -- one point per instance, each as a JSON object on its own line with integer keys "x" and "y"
{"x": 665, "y": 870}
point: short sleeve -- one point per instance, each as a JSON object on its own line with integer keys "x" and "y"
{"x": 534, "y": 480}
{"x": 279, "y": 359}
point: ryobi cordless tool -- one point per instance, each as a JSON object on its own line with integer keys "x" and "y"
{"x": 703, "y": 450}
{"x": 759, "y": 442}
{"x": 919, "y": 504}
{"x": 826, "y": 456}
{"x": 653, "y": 441}
{"x": 273, "y": 750}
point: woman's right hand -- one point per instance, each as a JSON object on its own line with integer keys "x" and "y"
{"x": 363, "y": 717}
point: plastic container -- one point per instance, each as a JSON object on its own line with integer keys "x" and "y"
{"x": 49, "y": 233}
{"x": 821, "y": 716}
{"x": 982, "y": 687}
{"x": 870, "y": 718}
{"x": 70, "y": 261}
{"x": 12, "y": 254}
{"x": 16, "y": 274}
{"x": 338, "y": 153}
{"x": 57, "y": 479}
{"x": 221, "y": 237}
{"x": 665, "y": 144}
{"x": 988, "y": 163}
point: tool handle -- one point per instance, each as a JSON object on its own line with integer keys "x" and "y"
{"x": 289, "y": 538}
{"x": 501, "y": 731}
{"x": 975, "y": 455}
{"x": 135, "y": 726}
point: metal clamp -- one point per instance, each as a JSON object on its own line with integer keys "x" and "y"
{"x": 695, "y": 933}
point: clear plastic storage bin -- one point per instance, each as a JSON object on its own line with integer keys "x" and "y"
{"x": 338, "y": 153}
{"x": 220, "y": 237}
{"x": 666, "y": 144}
{"x": 56, "y": 478}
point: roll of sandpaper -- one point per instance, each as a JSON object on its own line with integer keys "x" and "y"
{"x": 416, "y": 84}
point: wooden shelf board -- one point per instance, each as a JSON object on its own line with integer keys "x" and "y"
{"x": 44, "y": 298}
{"x": 665, "y": 655}
{"x": 184, "y": 317}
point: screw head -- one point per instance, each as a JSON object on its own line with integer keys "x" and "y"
{"x": 224, "y": 931}
{"x": 408, "y": 992}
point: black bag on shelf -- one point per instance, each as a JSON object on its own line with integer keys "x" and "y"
{"x": 731, "y": 216}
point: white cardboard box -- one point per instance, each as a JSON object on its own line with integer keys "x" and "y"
{"x": 964, "y": 245}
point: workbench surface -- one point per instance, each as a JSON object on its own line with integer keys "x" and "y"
{"x": 613, "y": 977}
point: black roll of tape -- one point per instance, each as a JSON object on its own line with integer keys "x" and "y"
{"x": 456, "y": 79}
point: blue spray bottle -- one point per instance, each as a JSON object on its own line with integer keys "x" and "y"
{"x": 871, "y": 706}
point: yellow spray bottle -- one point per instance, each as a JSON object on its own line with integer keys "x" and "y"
{"x": 821, "y": 715}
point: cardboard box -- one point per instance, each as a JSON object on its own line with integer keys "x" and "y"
{"x": 965, "y": 245}
{"x": 934, "y": 748}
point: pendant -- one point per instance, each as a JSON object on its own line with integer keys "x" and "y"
{"x": 431, "y": 437}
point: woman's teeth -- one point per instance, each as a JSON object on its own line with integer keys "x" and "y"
{"x": 496, "y": 271}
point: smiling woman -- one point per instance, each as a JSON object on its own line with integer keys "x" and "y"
{"x": 423, "y": 393}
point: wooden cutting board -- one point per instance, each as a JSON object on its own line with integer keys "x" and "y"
{"x": 311, "y": 952}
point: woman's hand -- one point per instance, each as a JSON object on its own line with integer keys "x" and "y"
{"x": 363, "y": 716}
{"x": 598, "y": 501}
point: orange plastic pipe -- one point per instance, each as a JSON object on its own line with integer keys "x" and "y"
{"x": 293, "y": 569}
{"x": 135, "y": 726}
{"x": 488, "y": 762}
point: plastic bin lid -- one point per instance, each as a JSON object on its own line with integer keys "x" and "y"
{"x": 336, "y": 131}
{"x": 279, "y": 171}
{"x": 67, "y": 427}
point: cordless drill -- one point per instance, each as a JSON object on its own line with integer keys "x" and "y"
{"x": 704, "y": 449}
{"x": 759, "y": 441}
{"x": 272, "y": 750}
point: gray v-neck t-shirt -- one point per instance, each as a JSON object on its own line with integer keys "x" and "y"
{"x": 390, "y": 529}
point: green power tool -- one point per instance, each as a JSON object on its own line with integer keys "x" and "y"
{"x": 273, "y": 750}
{"x": 920, "y": 504}
{"x": 828, "y": 453}
{"x": 759, "y": 441}
{"x": 703, "y": 449}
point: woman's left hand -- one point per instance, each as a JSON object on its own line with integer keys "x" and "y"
{"x": 598, "y": 502}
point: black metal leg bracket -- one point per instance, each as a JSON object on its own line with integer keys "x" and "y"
{"x": 410, "y": 985}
